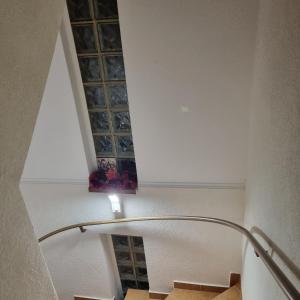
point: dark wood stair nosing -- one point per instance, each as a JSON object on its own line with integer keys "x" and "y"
{"x": 234, "y": 279}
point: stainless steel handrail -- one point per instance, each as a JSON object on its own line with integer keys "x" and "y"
{"x": 285, "y": 284}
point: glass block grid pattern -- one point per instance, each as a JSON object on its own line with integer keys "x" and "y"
{"x": 97, "y": 38}
{"x": 131, "y": 261}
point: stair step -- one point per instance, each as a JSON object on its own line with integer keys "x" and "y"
{"x": 183, "y": 294}
{"x": 234, "y": 293}
{"x": 137, "y": 295}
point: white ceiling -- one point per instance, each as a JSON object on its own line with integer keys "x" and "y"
{"x": 188, "y": 69}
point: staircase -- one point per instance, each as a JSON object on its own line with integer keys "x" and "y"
{"x": 232, "y": 293}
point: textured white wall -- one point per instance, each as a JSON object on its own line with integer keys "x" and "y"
{"x": 174, "y": 250}
{"x": 28, "y": 32}
{"x": 195, "y": 55}
{"x": 273, "y": 185}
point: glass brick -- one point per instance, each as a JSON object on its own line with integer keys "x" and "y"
{"x": 140, "y": 258}
{"x": 114, "y": 65}
{"x": 84, "y": 38}
{"x": 128, "y": 284}
{"x": 121, "y": 121}
{"x": 94, "y": 96}
{"x": 141, "y": 274}
{"x": 143, "y": 285}
{"x": 126, "y": 272}
{"x": 123, "y": 258}
{"x": 120, "y": 242}
{"x": 79, "y": 10}
{"x": 89, "y": 68}
{"x": 103, "y": 145}
{"x": 106, "y": 9}
{"x": 138, "y": 242}
{"x": 106, "y": 163}
{"x": 125, "y": 145}
{"x": 99, "y": 121}
{"x": 127, "y": 166}
{"x": 117, "y": 95}
{"x": 110, "y": 37}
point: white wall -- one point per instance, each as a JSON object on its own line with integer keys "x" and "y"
{"x": 28, "y": 32}
{"x": 273, "y": 185}
{"x": 195, "y": 55}
{"x": 56, "y": 151}
{"x": 174, "y": 251}
{"x": 164, "y": 70}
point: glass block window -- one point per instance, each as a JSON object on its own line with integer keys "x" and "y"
{"x": 131, "y": 262}
{"x": 121, "y": 121}
{"x": 97, "y": 38}
{"x": 79, "y": 10}
{"x": 84, "y": 38}
{"x": 117, "y": 95}
{"x": 90, "y": 69}
{"x": 110, "y": 37}
{"x": 95, "y": 97}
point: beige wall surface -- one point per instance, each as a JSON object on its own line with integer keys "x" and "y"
{"x": 28, "y": 31}
{"x": 273, "y": 185}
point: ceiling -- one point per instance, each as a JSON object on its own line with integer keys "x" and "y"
{"x": 188, "y": 72}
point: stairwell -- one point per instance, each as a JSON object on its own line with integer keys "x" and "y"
{"x": 232, "y": 293}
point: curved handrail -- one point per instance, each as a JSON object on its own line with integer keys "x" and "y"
{"x": 284, "y": 283}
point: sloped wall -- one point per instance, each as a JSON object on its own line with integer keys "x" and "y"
{"x": 273, "y": 184}
{"x": 56, "y": 150}
{"x": 28, "y": 32}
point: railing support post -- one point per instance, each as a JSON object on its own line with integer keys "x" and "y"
{"x": 82, "y": 229}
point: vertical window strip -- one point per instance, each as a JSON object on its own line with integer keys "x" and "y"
{"x": 97, "y": 38}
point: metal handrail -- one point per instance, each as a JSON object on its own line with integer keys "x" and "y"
{"x": 284, "y": 283}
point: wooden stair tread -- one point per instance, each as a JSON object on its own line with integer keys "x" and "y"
{"x": 137, "y": 295}
{"x": 234, "y": 293}
{"x": 183, "y": 294}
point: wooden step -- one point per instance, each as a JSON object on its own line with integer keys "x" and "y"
{"x": 183, "y": 294}
{"x": 137, "y": 295}
{"x": 234, "y": 293}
